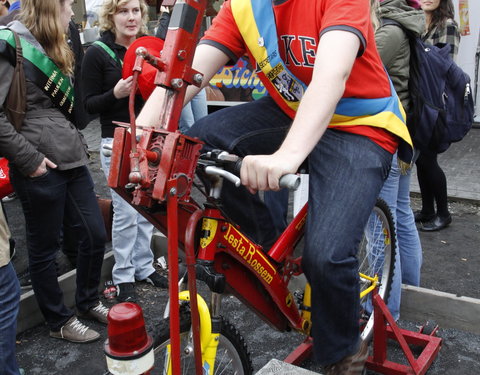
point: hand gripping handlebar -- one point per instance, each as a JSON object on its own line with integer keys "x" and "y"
{"x": 228, "y": 166}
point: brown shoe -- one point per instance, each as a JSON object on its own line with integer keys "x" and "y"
{"x": 98, "y": 312}
{"x": 353, "y": 364}
{"x": 75, "y": 331}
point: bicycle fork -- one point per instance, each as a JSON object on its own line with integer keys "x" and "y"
{"x": 210, "y": 327}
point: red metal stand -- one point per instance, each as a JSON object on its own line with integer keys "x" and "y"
{"x": 385, "y": 328}
{"x": 172, "y": 211}
{"x": 301, "y": 352}
{"x": 381, "y": 332}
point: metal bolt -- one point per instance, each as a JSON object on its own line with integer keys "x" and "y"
{"x": 188, "y": 350}
{"x": 141, "y": 51}
{"x": 173, "y": 191}
{"x": 181, "y": 55}
{"x": 198, "y": 78}
{"x": 176, "y": 83}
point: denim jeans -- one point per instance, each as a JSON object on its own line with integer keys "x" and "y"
{"x": 131, "y": 236}
{"x": 408, "y": 260}
{"x": 346, "y": 174}
{"x": 9, "y": 303}
{"x": 46, "y": 201}
{"x": 193, "y": 111}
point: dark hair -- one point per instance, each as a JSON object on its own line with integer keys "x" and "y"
{"x": 440, "y": 15}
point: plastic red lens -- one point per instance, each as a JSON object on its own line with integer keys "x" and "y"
{"x": 126, "y": 330}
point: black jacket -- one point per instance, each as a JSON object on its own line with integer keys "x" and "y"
{"x": 81, "y": 117}
{"x": 100, "y": 74}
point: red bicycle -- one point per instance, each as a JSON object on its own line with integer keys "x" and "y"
{"x": 224, "y": 257}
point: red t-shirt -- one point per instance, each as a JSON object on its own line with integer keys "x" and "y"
{"x": 300, "y": 24}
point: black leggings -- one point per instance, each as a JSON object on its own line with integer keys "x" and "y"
{"x": 433, "y": 184}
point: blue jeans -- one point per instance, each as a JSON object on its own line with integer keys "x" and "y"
{"x": 408, "y": 260}
{"x": 46, "y": 201}
{"x": 346, "y": 174}
{"x": 9, "y": 301}
{"x": 193, "y": 111}
{"x": 131, "y": 236}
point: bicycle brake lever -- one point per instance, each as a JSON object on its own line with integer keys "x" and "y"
{"x": 215, "y": 171}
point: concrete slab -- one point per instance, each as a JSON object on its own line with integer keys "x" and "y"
{"x": 447, "y": 310}
{"x": 276, "y": 367}
{"x": 30, "y": 316}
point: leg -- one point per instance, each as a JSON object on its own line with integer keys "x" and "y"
{"x": 69, "y": 243}
{"x": 82, "y": 209}
{"x": 439, "y": 184}
{"x": 9, "y": 304}
{"x": 127, "y": 236}
{"x": 199, "y": 105}
{"x": 389, "y": 194}
{"x": 277, "y": 203}
{"x": 346, "y": 174}
{"x": 186, "y": 118}
{"x": 142, "y": 253}
{"x": 256, "y": 127}
{"x": 424, "y": 165}
{"x": 408, "y": 240}
{"x": 194, "y": 111}
{"x": 43, "y": 202}
{"x": 432, "y": 173}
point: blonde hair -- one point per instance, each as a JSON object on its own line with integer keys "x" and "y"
{"x": 374, "y": 6}
{"x": 42, "y": 18}
{"x": 111, "y": 7}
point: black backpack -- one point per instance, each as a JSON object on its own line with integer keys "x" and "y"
{"x": 441, "y": 109}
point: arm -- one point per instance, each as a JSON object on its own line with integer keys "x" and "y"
{"x": 335, "y": 56}
{"x": 452, "y": 37}
{"x": 388, "y": 38}
{"x": 208, "y": 60}
{"x": 13, "y": 145}
{"x": 95, "y": 97}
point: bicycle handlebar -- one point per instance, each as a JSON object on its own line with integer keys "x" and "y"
{"x": 228, "y": 166}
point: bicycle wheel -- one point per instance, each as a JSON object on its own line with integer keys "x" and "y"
{"x": 376, "y": 256}
{"x": 232, "y": 355}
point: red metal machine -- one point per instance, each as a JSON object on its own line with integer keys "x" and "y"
{"x": 159, "y": 170}
{"x": 385, "y": 328}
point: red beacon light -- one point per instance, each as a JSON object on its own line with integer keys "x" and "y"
{"x": 128, "y": 349}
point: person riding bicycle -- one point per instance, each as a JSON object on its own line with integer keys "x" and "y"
{"x": 330, "y": 102}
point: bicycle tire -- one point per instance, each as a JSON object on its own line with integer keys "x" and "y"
{"x": 232, "y": 354}
{"x": 376, "y": 255}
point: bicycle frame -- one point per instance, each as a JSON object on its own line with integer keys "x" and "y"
{"x": 225, "y": 249}
{"x": 224, "y": 257}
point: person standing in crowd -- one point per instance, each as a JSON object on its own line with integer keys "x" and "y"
{"x": 394, "y": 48}
{"x": 4, "y": 5}
{"x": 48, "y": 167}
{"x": 197, "y": 107}
{"x": 106, "y": 93}
{"x": 9, "y": 303}
{"x": 440, "y": 29}
{"x": 13, "y": 11}
{"x": 321, "y": 69}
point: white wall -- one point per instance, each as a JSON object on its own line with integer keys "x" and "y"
{"x": 468, "y": 43}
